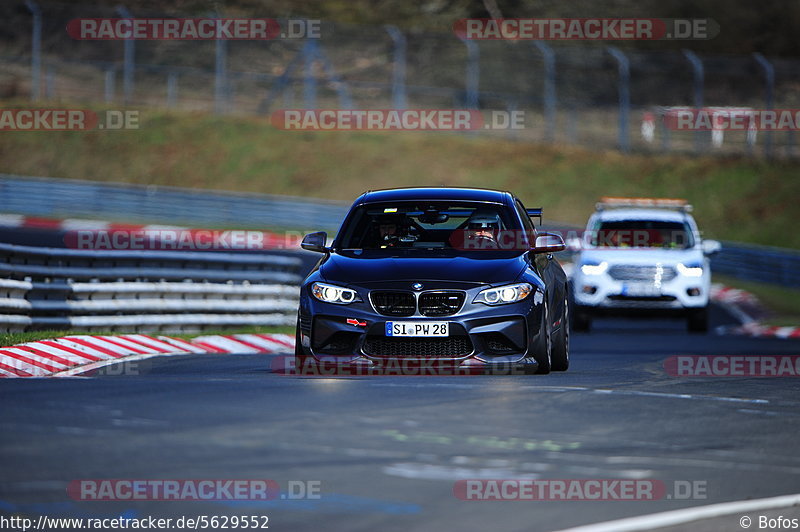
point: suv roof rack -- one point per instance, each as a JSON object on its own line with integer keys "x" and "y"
{"x": 607, "y": 202}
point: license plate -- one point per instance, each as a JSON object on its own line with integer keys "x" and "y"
{"x": 640, "y": 290}
{"x": 417, "y": 328}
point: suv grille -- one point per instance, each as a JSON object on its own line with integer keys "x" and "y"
{"x": 451, "y": 347}
{"x": 624, "y": 272}
{"x": 393, "y": 303}
{"x": 440, "y": 303}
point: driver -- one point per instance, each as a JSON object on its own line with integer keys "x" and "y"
{"x": 389, "y": 231}
{"x": 484, "y": 226}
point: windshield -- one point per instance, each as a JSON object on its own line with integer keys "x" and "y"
{"x": 430, "y": 225}
{"x": 643, "y": 234}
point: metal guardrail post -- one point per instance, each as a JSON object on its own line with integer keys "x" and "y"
{"x": 220, "y": 74}
{"x": 399, "y": 99}
{"x": 309, "y": 80}
{"x": 345, "y": 100}
{"x": 108, "y": 90}
{"x": 49, "y": 83}
{"x": 769, "y": 79}
{"x": 128, "y": 61}
{"x": 624, "y": 66}
{"x": 172, "y": 90}
{"x": 549, "y": 102}
{"x": 699, "y": 83}
{"x": 472, "y": 81}
{"x": 36, "y": 50}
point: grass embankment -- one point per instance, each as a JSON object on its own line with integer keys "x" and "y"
{"x": 7, "y": 339}
{"x": 735, "y": 198}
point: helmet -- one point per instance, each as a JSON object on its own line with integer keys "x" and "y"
{"x": 484, "y": 221}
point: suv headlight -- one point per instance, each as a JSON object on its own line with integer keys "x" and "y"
{"x": 594, "y": 268}
{"x": 502, "y": 295}
{"x": 334, "y": 294}
{"x": 691, "y": 270}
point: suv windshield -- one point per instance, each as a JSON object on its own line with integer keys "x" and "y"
{"x": 643, "y": 234}
{"x": 429, "y": 225}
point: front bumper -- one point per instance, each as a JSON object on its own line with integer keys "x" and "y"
{"x": 479, "y": 335}
{"x": 604, "y": 294}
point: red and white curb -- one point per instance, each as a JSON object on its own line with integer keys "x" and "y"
{"x": 748, "y": 310}
{"x": 755, "y": 329}
{"x": 734, "y": 296}
{"x": 74, "y": 224}
{"x": 73, "y": 355}
{"x": 167, "y": 237}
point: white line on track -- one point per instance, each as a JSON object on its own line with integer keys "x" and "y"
{"x": 688, "y": 515}
{"x": 606, "y": 391}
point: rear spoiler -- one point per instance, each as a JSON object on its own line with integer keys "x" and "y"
{"x": 536, "y": 213}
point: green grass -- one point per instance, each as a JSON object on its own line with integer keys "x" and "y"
{"x": 748, "y": 200}
{"x": 7, "y": 339}
{"x": 783, "y": 303}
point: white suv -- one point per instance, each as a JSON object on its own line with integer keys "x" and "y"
{"x": 641, "y": 256}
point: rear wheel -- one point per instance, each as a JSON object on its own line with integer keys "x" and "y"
{"x": 560, "y": 356}
{"x": 698, "y": 320}
{"x": 545, "y": 347}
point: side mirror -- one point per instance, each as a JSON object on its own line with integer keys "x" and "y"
{"x": 711, "y": 246}
{"x": 315, "y": 242}
{"x": 574, "y": 244}
{"x": 549, "y": 243}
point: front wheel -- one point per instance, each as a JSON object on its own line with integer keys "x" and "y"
{"x": 302, "y": 361}
{"x": 545, "y": 348}
{"x": 560, "y": 357}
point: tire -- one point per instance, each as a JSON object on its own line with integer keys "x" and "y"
{"x": 544, "y": 360}
{"x": 560, "y": 356}
{"x": 302, "y": 361}
{"x": 697, "y": 322}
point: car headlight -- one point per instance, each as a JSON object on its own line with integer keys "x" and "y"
{"x": 690, "y": 270}
{"x": 594, "y": 268}
{"x": 504, "y": 294}
{"x": 334, "y": 294}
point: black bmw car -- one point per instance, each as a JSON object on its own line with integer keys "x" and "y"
{"x": 454, "y": 275}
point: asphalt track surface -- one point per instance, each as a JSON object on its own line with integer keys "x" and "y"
{"x": 388, "y": 450}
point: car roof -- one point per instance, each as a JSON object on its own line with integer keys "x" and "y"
{"x": 664, "y": 215}
{"x": 435, "y": 193}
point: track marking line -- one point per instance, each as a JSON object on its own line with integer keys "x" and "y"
{"x": 688, "y": 515}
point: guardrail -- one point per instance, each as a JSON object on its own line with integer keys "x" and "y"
{"x": 48, "y": 288}
{"x": 49, "y": 197}
{"x": 758, "y": 263}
